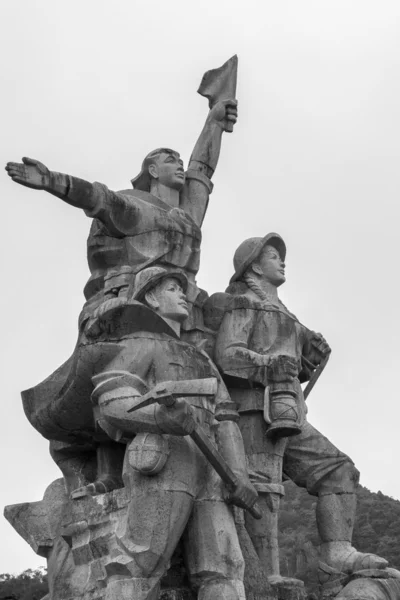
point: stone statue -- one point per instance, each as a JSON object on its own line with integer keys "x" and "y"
{"x": 264, "y": 353}
{"x": 172, "y": 490}
{"x": 153, "y": 441}
{"x": 167, "y": 478}
{"x": 156, "y": 222}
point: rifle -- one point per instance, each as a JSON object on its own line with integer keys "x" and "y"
{"x": 315, "y": 376}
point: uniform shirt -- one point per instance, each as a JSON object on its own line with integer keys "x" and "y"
{"x": 252, "y": 329}
{"x": 154, "y": 357}
{"x": 132, "y": 230}
{"x": 60, "y": 407}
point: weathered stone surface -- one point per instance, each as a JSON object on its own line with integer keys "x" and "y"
{"x": 287, "y": 588}
{"x": 155, "y": 224}
{"x": 39, "y": 522}
{"x": 121, "y": 543}
{"x": 265, "y": 353}
{"x": 371, "y": 589}
{"x": 80, "y": 558}
{"x": 144, "y": 428}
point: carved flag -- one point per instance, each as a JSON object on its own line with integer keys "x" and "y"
{"x": 220, "y": 84}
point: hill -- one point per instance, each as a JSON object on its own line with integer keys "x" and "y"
{"x": 377, "y": 530}
{"x": 29, "y": 585}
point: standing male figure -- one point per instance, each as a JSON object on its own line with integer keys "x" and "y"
{"x": 158, "y": 222}
{"x": 173, "y": 489}
{"x": 262, "y": 350}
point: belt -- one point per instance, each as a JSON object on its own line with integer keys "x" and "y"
{"x": 248, "y": 399}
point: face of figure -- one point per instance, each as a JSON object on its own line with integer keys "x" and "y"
{"x": 270, "y": 265}
{"x": 169, "y": 300}
{"x": 168, "y": 170}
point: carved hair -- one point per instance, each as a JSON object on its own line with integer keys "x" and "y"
{"x": 143, "y": 180}
{"x": 152, "y": 157}
{"x": 155, "y": 289}
{"x": 152, "y": 292}
{"x": 252, "y": 282}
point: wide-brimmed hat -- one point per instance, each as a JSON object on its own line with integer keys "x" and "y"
{"x": 248, "y": 251}
{"x": 148, "y": 278}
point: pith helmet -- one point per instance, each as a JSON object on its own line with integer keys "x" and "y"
{"x": 248, "y": 251}
{"x": 148, "y": 278}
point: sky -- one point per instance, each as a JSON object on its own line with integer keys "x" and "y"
{"x": 89, "y": 87}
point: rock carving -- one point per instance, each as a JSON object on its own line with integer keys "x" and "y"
{"x": 265, "y": 353}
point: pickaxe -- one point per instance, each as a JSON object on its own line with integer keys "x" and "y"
{"x": 166, "y": 393}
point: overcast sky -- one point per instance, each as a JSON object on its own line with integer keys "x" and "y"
{"x": 89, "y": 87}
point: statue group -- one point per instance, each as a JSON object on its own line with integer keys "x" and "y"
{"x": 178, "y": 415}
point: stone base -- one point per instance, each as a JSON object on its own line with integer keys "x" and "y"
{"x": 78, "y": 539}
{"x": 287, "y": 588}
{"x": 369, "y": 584}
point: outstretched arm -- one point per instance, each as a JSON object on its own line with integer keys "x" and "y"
{"x": 34, "y": 174}
{"x": 116, "y": 211}
{"x": 205, "y": 157}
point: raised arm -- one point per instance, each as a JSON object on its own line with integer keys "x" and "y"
{"x": 206, "y": 151}
{"x": 204, "y": 159}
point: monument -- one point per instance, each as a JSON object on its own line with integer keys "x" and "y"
{"x": 264, "y": 354}
{"x": 177, "y": 415}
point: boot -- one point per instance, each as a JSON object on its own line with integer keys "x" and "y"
{"x": 335, "y": 521}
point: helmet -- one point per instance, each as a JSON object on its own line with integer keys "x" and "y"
{"x": 149, "y": 277}
{"x": 250, "y": 249}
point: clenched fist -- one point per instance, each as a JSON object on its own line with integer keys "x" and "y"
{"x": 224, "y": 113}
{"x": 320, "y": 344}
{"x": 177, "y": 419}
{"x": 244, "y": 494}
